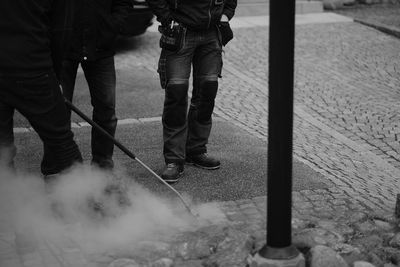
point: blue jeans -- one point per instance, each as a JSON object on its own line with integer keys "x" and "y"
{"x": 40, "y": 101}
{"x": 101, "y": 79}
{"x": 187, "y": 133}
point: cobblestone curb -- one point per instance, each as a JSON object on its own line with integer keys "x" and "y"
{"x": 394, "y": 31}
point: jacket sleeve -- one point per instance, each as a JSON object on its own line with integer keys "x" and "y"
{"x": 61, "y": 19}
{"x": 161, "y": 9}
{"x": 229, "y": 8}
{"x": 119, "y": 12}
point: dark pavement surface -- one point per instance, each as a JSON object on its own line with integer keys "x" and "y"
{"x": 244, "y": 157}
{"x": 242, "y": 175}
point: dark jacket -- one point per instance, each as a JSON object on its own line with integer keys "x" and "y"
{"x": 195, "y": 14}
{"x": 96, "y": 27}
{"x": 33, "y": 35}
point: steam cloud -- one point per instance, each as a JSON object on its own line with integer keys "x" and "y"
{"x": 30, "y": 207}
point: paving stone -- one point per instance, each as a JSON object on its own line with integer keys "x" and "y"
{"x": 382, "y": 225}
{"x": 164, "y": 262}
{"x": 362, "y": 264}
{"x": 11, "y": 263}
{"x": 395, "y": 241}
{"x": 236, "y": 216}
{"x": 124, "y": 263}
{"x": 33, "y": 259}
{"x": 325, "y": 256}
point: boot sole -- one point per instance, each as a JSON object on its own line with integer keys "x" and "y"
{"x": 171, "y": 181}
{"x": 203, "y": 167}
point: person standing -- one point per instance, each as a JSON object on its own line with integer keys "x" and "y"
{"x": 193, "y": 33}
{"x": 33, "y": 35}
{"x": 97, "y": 25}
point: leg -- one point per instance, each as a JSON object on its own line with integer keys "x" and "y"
{"x": 41, "y": 102}
{"x": 67, "y": 78}
{"x": 7, "y": 147}
{"x": 207, "y": 64}
{"x": 175, "y": 68}
{"x": 101, "y": 79}
{"x": 174, "y": 122}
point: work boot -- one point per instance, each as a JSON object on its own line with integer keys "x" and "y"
{"x": 203, "y": 161}
{"x": 104, "y": 164}
{"x": 172, "y": 172}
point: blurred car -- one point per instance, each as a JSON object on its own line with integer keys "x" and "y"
{"x": 139, "y": 19}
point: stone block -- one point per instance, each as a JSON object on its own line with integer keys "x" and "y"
{"x": 164, "y": 262}
{"x": 332, "y": 4}
{"x": 369, "y": 2}
{"x": 258, "y": 261}
{"x": 363, "y": 264}
{"x": 325, "y": 256}
{"x": 349, "y": 253}
{"x": 397, "y": 208}
{"x": 311, "y": 237}
{"x": 124, "y": 262}
{"x": 306, "y": 7}
{"x": 382, "y": 225}
{"x": 11, "y": 263}
{"x": 368, "y": 242}
{"x": 349, "y": 2}
{"x": 395, "y": 241}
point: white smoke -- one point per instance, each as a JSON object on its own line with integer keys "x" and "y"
{"x": 66, "y": 209}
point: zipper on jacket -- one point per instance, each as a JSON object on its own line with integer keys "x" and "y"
{"x": 209, "y": 14}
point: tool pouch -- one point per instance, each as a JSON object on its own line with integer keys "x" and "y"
{"x": 172, "y": 37}
{"x": 226, "y": 32}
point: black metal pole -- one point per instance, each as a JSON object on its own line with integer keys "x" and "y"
{"x": 280, "y": 130}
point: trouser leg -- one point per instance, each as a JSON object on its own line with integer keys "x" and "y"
{"x": 41, "y": 102}
{"x": 200, "y": 115}
{"x": 67, "y": 79}
{"x": 101, "y": 79}
{"x": 207, "y": 64}
{"x": 7, "y": 146}
{"x": 174, "y": 122}
{"x": 174, "y": 69}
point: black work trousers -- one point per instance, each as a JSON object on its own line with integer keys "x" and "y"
{"x": 40, "y": 101}
{"x": 101, "y": 78}
{"x": 186, "y": 133}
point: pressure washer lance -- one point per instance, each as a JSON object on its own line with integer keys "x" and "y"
{"x": 127, "y": 152}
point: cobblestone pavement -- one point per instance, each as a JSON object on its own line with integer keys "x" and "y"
{"x": 387, "y": 14}
{"x": 346, "y": 92}
{"x": 346, "y": 124}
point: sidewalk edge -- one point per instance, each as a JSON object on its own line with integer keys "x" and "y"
{"x": 391, "y": 30}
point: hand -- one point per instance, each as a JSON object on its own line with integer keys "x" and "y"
{"x": 224, "y": 18}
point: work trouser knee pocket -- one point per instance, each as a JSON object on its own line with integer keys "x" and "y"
{"x": 206, "y": 100}
{"x": 175, "y": 104}
{"x": 209, "y": 88}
